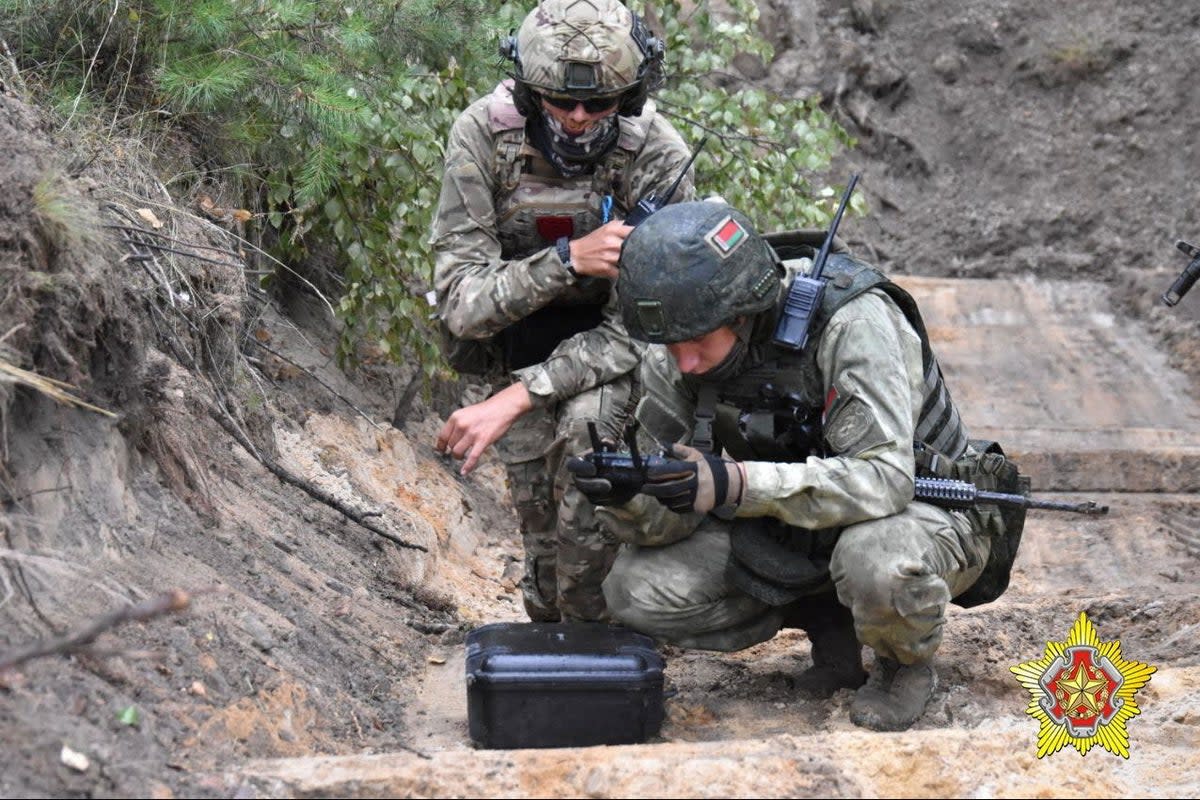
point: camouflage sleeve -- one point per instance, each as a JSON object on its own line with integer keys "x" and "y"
{"x": 664, "y": 414}
{"x": 584, "y": 361}
{"x": 479, "y": 293}
{"x": 871, "y": 358}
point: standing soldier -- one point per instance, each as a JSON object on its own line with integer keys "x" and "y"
{"x": 539, "y": 175}
{"x": 806, "y": 519}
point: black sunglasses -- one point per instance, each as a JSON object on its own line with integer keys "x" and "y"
{"x": 592, "y": 105}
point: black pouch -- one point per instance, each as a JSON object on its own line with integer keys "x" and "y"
{"x": 990, "y": 470}
{"x": 778, "y": 563}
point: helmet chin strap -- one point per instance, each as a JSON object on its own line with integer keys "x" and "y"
{"x": 573, "y": 155}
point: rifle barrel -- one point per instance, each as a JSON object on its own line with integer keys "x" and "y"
{"x": 963, "y": 495}
{"x": 1021, "y": 501}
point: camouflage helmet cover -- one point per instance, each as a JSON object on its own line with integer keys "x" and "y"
{"x": 580, "y": 48}
{"x": 691, "y": 268}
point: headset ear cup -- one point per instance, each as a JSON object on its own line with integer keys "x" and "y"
{"x": 650, "y": 71}
{"x": 508, "y": 47}
{"x": 523, "y": 99}
{"x": 652, "y": 68}
{"x": 633, "y": 101}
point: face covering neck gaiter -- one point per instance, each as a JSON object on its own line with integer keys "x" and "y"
{"x": 573, "y": 155}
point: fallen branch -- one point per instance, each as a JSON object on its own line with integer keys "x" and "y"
{"x": 224, "y": 419}
{"x": 169, "y": 603}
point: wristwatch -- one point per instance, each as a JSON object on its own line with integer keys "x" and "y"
{"x": 563, "y": 245}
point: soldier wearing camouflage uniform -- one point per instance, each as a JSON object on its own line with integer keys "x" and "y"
{"x": 807, "y": 518}
{"x": 538, "y": 176}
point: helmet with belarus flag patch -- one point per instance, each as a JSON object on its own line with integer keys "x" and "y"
{"x": 691, "y": 268}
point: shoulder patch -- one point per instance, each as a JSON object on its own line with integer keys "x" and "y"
{"x": 726, "y": 237}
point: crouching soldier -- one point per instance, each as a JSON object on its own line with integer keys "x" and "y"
{"x": 786, "y": 498}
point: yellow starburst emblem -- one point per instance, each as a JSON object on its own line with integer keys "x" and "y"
{"x": 1083, "y": 692}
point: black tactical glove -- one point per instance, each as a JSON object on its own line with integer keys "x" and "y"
{"x": 601, "y": 491}
{"x": 693, "y": 481}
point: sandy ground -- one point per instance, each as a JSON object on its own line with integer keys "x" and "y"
{"x": 1042, "y": 152}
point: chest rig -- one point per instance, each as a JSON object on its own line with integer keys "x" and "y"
{"x": 773, "y": 411}
{"x": 536, "y": 205}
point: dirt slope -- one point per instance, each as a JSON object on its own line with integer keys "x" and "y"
{"x": 1016, "y": 138}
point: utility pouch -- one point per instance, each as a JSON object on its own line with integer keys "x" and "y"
{"x": 778, "y": 563}
{"x": 986, "y": 466}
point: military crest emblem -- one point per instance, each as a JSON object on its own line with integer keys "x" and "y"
{"x": 1083, "y": 692}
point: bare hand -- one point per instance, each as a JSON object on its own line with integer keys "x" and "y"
{"x": 596, "y": 254}
{"x": 472, "y": 429}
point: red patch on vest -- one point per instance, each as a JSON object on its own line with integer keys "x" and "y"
{"x": 554, "y": 228}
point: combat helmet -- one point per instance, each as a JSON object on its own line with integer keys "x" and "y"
{"x": 691, "y": 268}
{"x": 584, "y": 49}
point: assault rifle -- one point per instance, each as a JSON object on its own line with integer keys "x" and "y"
{"x": 628, "y": 470}
{"x": 651, "y": 203}
{"x": 1187, "y": 278}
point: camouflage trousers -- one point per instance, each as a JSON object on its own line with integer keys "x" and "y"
{"x": 567, "y": 553}
{"x": 896, "y": 575}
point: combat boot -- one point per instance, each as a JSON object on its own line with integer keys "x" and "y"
{"x": 536, "y": 606}
{"x": 836, "y": 651}
{"x": 895, "y": 695}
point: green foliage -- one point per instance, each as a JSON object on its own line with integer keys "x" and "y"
{"x": 335, "y": 116}
{"x": 767, "y": 150}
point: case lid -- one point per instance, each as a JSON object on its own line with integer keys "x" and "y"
{"x": 561, "y": 653}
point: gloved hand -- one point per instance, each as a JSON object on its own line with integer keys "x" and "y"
{"x": 601, "y": 491}
{"x": 693, "y": 481}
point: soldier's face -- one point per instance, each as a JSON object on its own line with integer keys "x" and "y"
{"x": 578, "y": 119}
{"x": 699, "y": 355}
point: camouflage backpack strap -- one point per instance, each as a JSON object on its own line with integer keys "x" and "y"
{"x": 507, "y": 163}
{"x": 613, "y": 173}
{"x": 508, "y": 127}
{"x": 611, "y": 176}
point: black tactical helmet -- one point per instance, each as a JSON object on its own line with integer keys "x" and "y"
{"x": 691, "y": 268}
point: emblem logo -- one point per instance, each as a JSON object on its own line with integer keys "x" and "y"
{"x": 726, "y": 237}
{"x": 1083, "y": 692}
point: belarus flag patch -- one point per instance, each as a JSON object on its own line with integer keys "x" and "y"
{"x": 726, "y": 236}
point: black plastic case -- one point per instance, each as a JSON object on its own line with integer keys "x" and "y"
{"x": 562, "y": 685}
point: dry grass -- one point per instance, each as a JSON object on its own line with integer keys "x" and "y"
{"x": 56, "y": 390}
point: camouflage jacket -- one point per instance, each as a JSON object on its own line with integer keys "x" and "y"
{"x": 495, "y": 265}
{"x": 877, "y": 388}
